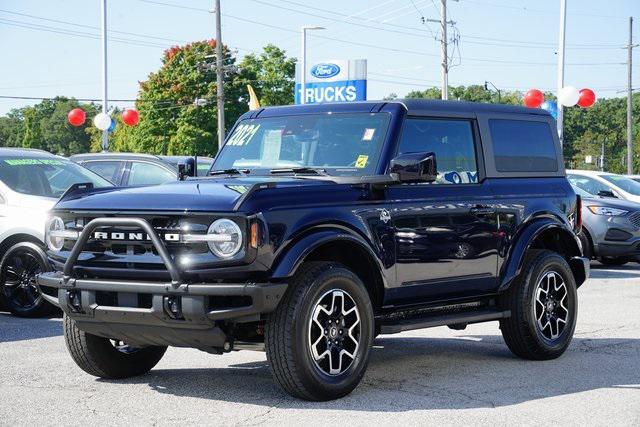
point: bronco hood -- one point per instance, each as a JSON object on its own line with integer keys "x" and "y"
{"x": 197, "y": 195}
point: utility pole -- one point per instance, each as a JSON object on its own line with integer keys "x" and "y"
{"x": 561, "y": 45}
{"x": 629, "y": 100}
{"x": 219, "y": 75}
{"x": 444, "y": 57}
{"x": 105, "y": 107}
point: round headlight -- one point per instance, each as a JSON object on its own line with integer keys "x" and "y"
{"x": 230, "y": 241}
{"x": 53, "y": 235}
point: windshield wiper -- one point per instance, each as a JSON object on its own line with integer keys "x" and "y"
{"x": 231, "y": 171}
{"x": 316, "y": 171}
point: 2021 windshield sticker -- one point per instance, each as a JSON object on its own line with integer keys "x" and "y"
{"x": 243, "y": 135}
{"x": 25, "y": 162}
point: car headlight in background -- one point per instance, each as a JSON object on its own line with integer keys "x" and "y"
{"x": 55, "y": 233}
{"x": 603, "y": 210}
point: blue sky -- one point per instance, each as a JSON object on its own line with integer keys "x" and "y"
{"x": 51, "y": 47}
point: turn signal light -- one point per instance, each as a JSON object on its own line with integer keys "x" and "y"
{"x": 254, "y": 235}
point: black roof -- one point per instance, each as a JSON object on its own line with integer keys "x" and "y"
{"x": 413, "y": 106}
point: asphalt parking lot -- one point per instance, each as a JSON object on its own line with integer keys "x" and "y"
{"x": 430, "y": 376}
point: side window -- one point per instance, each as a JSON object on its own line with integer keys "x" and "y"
{"x": 450, "y": 140}
{"x": 143, "y": 173}
{"x": 106, "y": 169}
{"x": 590, "y": 185}
{"x": 523, "y": 146}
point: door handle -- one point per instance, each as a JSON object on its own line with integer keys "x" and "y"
{"x": 482, "y": 210}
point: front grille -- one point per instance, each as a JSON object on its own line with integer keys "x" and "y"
{"x": 108, "y": 258}
{"x": 634, "y": 218}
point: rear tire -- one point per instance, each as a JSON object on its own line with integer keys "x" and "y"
{"x": 544, "y": 307}
{"x": 585, "y": 241}
{"x": 102, "y": 358}
{"x": 18, "y": 289}
{"x": 326, "y": 311}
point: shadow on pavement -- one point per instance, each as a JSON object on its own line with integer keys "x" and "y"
{"x": 18, "y": 329}
{"x": 428, "y": 373}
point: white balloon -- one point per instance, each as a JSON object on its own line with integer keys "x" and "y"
{"x": 568, "y": 96}
{"x": 102, "y": 121}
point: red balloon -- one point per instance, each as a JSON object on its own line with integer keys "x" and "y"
{"x": 587, "y": 98}
{"x": 131, "y": 117}
{"x": 533, "y": 98}
{"x": 76, "y": 117}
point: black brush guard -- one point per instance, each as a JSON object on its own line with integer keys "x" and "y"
{"x": 133, "y": 321}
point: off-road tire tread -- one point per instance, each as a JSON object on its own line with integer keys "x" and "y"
{"x": 88, "y": 351}
{"x": 279, "y": 327}
{"x": 515, "y": 330}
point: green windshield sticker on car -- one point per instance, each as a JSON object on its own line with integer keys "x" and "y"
{"x": 24, "y": 162}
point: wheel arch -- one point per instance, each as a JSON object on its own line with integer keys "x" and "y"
{"x": 14, "y": 239}
{"x": 338, "y": 246}
{"x": 543, "y": 234}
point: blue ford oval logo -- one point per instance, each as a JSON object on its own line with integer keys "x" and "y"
{"x": 325, "y": 71}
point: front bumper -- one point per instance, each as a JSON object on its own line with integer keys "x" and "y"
{"x": 151, "y": 323}
{"x": 176, "y": 313}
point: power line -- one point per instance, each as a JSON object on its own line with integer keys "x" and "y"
{"x": 402, "y": 29}
{"x": 373, "y": 46}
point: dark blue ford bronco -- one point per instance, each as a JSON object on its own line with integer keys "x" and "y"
{"x": 319, "y": 227}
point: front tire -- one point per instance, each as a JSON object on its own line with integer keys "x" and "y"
{"x": 319, "y": 337}
{"x": 105, "y": 358}
{"x": 544, "y": 307}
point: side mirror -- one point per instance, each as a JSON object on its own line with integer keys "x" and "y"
{"x": 186, "y": 168}
{"x": 415, "y": 167}
{"x": 607, "y": 193}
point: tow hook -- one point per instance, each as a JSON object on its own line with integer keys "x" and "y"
{"x": 173, "y": 307}
{"x": 74, "y": 302}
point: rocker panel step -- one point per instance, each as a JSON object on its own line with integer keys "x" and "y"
{"x": 442, "y": 320}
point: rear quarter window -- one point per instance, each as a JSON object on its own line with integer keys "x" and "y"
{"x": 523, "y": 146}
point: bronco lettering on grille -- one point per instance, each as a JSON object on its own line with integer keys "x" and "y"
{"x": 129, "y": 236}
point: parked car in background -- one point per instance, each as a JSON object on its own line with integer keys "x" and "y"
{"x": 30, "y": 183}
{"x": 610, "y": 229}
{"x": 134, "y": 169}
{"x": 605, "y": 184}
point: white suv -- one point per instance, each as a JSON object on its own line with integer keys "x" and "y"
{"x": 605, "y": 184}
{"x": 31, "y": 181}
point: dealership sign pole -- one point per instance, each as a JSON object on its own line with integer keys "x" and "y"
{"x": 303, "y": 59}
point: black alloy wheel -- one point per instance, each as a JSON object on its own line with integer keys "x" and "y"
{"x": 18, "y": 287}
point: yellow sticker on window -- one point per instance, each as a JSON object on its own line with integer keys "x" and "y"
{"x": 361, "y": 161}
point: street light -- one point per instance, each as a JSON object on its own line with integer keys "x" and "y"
{"x": 303, "y": 61}
{"x": 486, "y": 87}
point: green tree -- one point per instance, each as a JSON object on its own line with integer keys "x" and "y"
{"x": 177, "y": 104}
{"x": 271, "y": 74}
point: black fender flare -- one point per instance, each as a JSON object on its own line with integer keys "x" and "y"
{"x": 292, "y": 256}
{"x": 524, "y": 240}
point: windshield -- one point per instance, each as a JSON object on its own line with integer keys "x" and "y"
{"x": 341, "y": 144}
{"x": 45, "y": 176}
{"x": 626, "y": 184}
{"x": 580, "y": 192}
